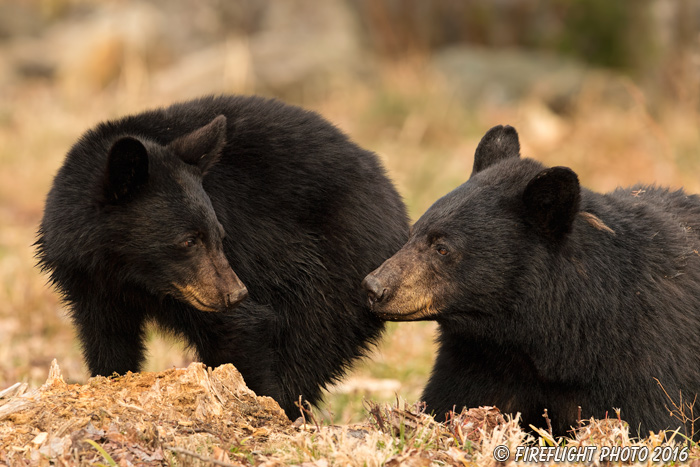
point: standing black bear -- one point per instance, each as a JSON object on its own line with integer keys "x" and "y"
{"x": 150, "y": 213}
{"x": 552, "y": 296}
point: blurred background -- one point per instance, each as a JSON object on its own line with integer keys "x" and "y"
{"x": 608, "y": 88}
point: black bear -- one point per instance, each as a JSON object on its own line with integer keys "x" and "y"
{"x": 549, "y": 295}
{"x": 150, "y": 215}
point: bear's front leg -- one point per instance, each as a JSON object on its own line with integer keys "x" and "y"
{"x": 112, "y": 337}
{"x": 245, "y": 337}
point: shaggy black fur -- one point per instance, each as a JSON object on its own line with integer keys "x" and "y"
{"x": 552, "y": 296}
{"x": 151, "y": 214}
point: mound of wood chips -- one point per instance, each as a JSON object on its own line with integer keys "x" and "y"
{"x": 139, "y": 418}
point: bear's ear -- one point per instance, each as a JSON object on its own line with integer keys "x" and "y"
{"x": 499, "y": 143}
{"x": 127, "y": 171}
{"x": 552, "y": 201}
{"x": 203, "y": 146}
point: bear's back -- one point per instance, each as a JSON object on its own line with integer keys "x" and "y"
{"x": 660, "y": 207}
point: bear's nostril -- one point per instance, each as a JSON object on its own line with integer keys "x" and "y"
{"x": 374, "y": 288}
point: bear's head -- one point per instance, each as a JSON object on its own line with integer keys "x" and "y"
{"x": 465, "y": 253}
{"x": 162, "y": 229}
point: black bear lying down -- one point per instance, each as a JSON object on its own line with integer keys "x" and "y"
{"x": 169, "y": 215}
{"x": 552, "y": 296}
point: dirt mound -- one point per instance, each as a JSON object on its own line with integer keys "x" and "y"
{"x": 198, "y": 416}
{"x": 139, "y": 418}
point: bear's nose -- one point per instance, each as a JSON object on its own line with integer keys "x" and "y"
{"x": 375, "y": 289}
{"x": 233, "y": 299}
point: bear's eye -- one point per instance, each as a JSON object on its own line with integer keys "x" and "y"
{"x": 442, "y": 250}
{"x": 189, "y": 242}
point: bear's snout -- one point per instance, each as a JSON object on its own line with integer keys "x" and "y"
{"x": 403, "y": 288}
{"x": 226, "y": 288}
{"x": 233, "y": 299}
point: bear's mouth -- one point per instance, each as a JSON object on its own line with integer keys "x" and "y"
{"x": 200, "y": 305}
{"x": 189, "y": 294}
{"x": 422, "y": 314}
{"x": 407, "y": 307}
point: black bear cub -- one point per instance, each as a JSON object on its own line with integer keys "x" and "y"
{"x": 241, "y": 224}
{"x": 549, "y": 295}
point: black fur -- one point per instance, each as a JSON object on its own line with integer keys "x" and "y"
{"x": 149, "y": 214}
{"x": 552, "y": 296}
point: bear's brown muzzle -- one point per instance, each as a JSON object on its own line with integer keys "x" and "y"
{"x": 400, "y": 289}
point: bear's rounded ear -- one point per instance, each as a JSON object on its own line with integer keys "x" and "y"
{"x": 203, "y": 146}
{"x": 552, "y": 201}
{"x": 499, "y": 143}
{"x": 126, "y": 172}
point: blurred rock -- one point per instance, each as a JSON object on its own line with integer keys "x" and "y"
{"x": 18, "y": 19}
{"x": 302, "y": 42}
{"x": 86, "y": 51}
{"x": 292, "y": 49}
{"x": 506, "y": 76}
{"x": 222, "y": 67}
{"x": 157, "y": 46}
